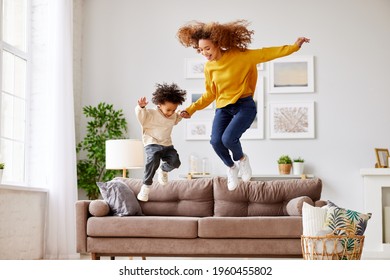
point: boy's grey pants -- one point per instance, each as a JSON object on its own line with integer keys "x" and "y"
{"x": 156, "y": 153}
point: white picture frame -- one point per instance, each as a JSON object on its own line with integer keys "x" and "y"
{"x": 194, "y": 68}
{"x": 261, "y": 66}
{"x": 291, "y": 74}
{"x": 198, "y": 129}
{"x": 194, "y": 94}
{"x": 291, "y": 120}
{"x": 256, "y": 131}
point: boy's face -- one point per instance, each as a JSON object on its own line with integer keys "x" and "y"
{"x": 168, "y": 108}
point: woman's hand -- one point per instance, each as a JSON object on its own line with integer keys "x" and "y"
{"x": 142, "y": 102}
{"x": 184, "y": 114}
{"x": 299, "y": 42}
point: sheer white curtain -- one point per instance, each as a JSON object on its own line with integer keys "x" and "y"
{"x": 52, "y": 155}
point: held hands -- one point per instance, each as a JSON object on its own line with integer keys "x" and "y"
{"x": 142, "y": 102}
{"x": 184, "y": 114}
{"x": 299, "y": 42}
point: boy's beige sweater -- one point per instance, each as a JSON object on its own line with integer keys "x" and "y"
{"x": 156, "y": 127}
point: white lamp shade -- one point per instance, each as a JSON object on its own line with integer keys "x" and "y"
{"x": 124, "y": 154}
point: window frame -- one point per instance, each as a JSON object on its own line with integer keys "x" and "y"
{"x": 25, "y": 55}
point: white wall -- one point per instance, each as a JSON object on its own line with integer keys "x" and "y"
{"x": 128, "y": 46}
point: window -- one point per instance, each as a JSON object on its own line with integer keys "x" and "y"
{"x": 13, "y": 84}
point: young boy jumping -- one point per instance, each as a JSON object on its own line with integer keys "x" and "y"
{"x": 157, "y": 125}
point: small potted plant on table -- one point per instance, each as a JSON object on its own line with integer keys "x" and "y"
{"x": 284, "y": 164}
{"x": 298, "y": 166}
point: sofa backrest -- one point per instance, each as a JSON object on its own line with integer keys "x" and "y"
{"x": 192, "y": 198}
{"x": 261, "y": 198}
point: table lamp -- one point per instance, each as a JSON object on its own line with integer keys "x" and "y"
{"x": 124, "y": 154}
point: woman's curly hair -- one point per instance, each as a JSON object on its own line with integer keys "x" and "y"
{"x": 227, "y": 36}
{"x": 168, "y": 93}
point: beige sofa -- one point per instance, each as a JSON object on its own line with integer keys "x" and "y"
{"x": 202, "y": 218}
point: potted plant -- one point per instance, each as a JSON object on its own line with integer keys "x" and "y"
{"x": 106, "y": 123}
{"x": 284, "y": 164}
{"x": 1, "y": 170}
{"x": 298, "y": 166}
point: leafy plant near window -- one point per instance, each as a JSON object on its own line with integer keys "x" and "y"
{"x": 2, "y": 165}
{"x": 106, "y": 123}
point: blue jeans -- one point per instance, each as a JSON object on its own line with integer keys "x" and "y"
{"x": 156, "y": 153}
{"x": 230, "y": 122}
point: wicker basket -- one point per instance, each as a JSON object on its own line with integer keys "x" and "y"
{"x": 332, "y": 247}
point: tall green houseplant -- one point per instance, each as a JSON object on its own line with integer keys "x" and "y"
{"x": 105, "y": 123}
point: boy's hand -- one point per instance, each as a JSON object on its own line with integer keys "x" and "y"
{"x": 184, "y": 114}
{"x": 142, "y": 102}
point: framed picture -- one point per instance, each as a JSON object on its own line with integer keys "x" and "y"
{"x": 256, "y": 131}
{"x": 382, "y": 158}
{"x": 291, "y": 74}
{"x": 291, "y": 120}
{"x": 198, "y": 129}
{"x": 194, "y": 68}
{"x": 194, "y": 94}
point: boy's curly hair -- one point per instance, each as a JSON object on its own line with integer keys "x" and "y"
{"x": 168, "y": 93}
{"x": 227, "y": 36}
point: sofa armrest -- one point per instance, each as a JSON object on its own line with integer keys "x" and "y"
{"x": 82, "y": 214}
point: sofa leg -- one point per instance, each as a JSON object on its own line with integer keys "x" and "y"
{"x": 95, "y": 257}
{"x": 112, "y": 258}
{"x": 143, "y": 258}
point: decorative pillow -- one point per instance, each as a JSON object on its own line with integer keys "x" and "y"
{"x": 313, "y": 219}
{"x": 341, "y": 220}
{"x": 120, "y": 198}
{"x": 294, "y": 206}
{"x": 99, "y": 208}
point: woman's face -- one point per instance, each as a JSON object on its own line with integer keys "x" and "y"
{"x": 209, "y": 50}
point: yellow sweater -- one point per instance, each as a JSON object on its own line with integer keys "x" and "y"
{"x": 234, "y": 75}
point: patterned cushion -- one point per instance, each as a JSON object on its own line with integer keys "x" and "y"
{"x": 342, "y": 221}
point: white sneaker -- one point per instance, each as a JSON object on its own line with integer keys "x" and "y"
{"x": 232, "y": 177}
{"x": 143, "y": 194}
{"x": 162, "y": 176}
{"x": 245, "y": 169}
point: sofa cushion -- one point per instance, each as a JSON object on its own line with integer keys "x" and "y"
{"x": 341, "y": 220}
{"x": 99, "y": 208}
{"x": 294, "y": 206}
{"x": 192, "y": 198}
{"x": 261, "y": 198}
{"x": 313, "y": 219}
{"x": 143, "y": 226}
{"x": 250, "y": 227}
{"x": 120, "y": 198}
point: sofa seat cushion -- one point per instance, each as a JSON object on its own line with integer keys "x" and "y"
{"x": 143, "y": 226}
{"x": 250, "y": 227}
{"x": 261, "y": 198}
